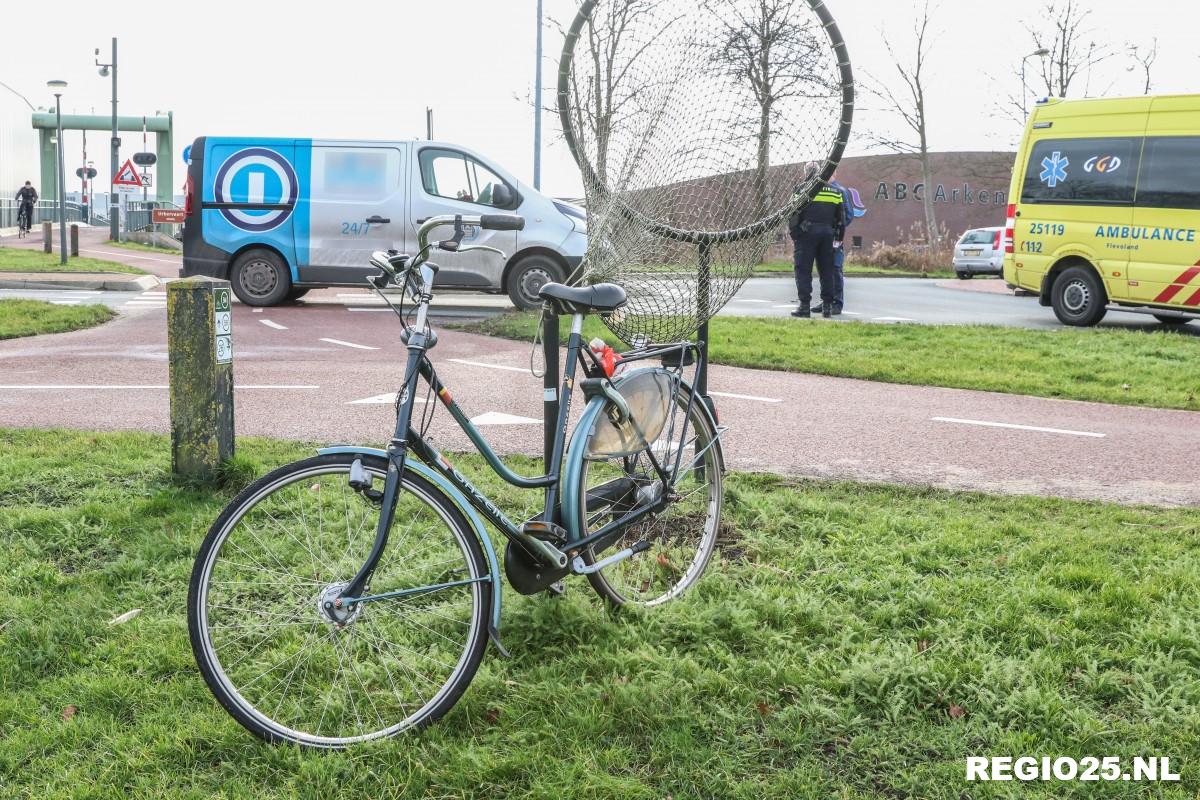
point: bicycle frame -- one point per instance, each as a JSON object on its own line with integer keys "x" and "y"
{"x": 561, "y": 504}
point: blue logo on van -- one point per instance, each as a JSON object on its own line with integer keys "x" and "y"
{"x": 260, "y": 188}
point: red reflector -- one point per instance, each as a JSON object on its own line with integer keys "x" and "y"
{"x": 188, "y": 196}
{"x": 1010, "y": 229}
{"x": 996, "y": 241}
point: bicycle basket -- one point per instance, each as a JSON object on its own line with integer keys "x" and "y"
{"x": 649, "y": 393}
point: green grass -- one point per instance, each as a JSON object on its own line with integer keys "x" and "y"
{"x": 1106, "y": 365}
{"x": 776, "y": 269}
{"x": 146, "y": 248}
{"x": 14, "y": 259}
{"x": 858, "y": 642}
{"x": 31, "y": 317}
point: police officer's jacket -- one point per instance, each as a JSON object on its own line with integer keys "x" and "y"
{"x": 824, "y": 209}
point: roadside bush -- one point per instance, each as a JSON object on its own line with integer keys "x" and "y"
{"x": 912, "y": 252}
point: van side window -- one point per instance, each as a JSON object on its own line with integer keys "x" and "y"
{"x": 1082, "y": 171}
{"x": 446, "y": 173}
{"x": 1170, "y": 173}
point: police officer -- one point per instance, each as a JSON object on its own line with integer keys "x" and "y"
{"x": 27, "y": 196}
{"x": 839, "y": 245}
{"x": 812, "y": 231}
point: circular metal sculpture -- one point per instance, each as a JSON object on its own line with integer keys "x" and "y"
{"x": 699, "y": 127}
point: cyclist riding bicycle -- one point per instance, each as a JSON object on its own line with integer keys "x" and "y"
{"x": 26, "y": 197}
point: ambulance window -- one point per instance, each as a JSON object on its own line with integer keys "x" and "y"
{"x": 363, "y": 174}
{"x": 1082, "y": 171}
{"x": 1170, "y": 173}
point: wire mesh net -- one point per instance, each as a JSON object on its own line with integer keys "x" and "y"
{"x": 699, "y": 126}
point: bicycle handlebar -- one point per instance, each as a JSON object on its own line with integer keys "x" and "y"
{"x": 502, "y": 222}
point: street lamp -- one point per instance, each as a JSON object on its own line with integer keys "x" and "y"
{"x": 57, "y": 87}
{"x": 1041, "y": 52}
{"x": 114, "y": 222}
{"x": 537, "y": 106}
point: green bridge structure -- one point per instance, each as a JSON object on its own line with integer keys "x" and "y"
{"x": 161, "y": 126}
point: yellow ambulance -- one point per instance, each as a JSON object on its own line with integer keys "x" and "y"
{"x": 1104, "y": 208}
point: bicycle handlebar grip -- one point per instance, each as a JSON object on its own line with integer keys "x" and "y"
{"x": 502, "y": 222}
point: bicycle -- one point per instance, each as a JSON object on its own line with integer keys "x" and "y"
{"x": 24, "y": 219}
{"x": 325, "y": 611}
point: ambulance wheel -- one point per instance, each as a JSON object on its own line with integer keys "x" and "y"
{"x": 1078, "y": 297}
{"x": 528, "y": 277}
{"x": 260, "y": 278}
{"x": 1174, "y": 322}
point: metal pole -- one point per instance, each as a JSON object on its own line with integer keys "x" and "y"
{"x": 62, "y": 186}
{"x": 429, "y": 123}
{"x": 1024, "y": 90}
{"x": 83, "y": 195}
{"x": 537, "y": 107}
{"x": 703, "y": 302}
{"x": 114, "y": 222}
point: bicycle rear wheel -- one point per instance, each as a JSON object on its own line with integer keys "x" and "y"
{"x": 682, "y": 537}
{"x": 287, "y": 669}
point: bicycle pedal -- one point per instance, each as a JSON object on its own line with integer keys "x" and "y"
{"x": 556, "y": 589}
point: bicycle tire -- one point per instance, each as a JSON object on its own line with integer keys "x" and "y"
{"x": 233, "y": 698}
{"x": 614, "y": 583}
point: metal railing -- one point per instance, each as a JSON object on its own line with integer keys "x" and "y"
{"x": 44, "y": 211}
{"x": 136, "y": 216}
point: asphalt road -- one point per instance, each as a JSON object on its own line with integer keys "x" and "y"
{"x": 325, "y": 372}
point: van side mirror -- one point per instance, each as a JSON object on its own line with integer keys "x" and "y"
{"x": 502, "y": 196}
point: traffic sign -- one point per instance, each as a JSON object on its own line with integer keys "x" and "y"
{"x": 168, "y": 216}
{"x": 223, "y": 325}
{"x": 127, "y": 178}
{"x": 187, "y": 154}
{"x": 147, "y": 180}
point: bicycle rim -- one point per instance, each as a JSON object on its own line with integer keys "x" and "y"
{"x": 682, "y": 536}
{"x": 287, "y": 671}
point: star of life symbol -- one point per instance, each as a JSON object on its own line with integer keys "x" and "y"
{"x": 1054, "y": 169}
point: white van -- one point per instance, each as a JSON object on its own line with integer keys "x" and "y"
{"x": 278, "y": 217}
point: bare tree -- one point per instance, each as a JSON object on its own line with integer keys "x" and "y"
{"x": 774, "y": 51}
{"x": 1145, "y": 58}
{"x": 907, "y": 101}
{"x": 1069, "y": 36}
{"x": 598, "y": 104}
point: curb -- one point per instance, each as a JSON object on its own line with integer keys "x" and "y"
{"x": 125, "y": 283}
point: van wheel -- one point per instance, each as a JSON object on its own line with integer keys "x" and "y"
{"x": 1174, "y": 322}
{"x": 1078, "y": 297}
{"x": 528, "y": 277}
{"x": 260, "y": 278}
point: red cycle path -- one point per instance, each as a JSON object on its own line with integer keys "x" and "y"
{"x": 819, "y": 426}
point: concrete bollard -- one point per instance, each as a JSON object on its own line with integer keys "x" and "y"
{"x": 200, "y": 354}
{"x": 74, "y": 240}
{"x": 47, "y": 237}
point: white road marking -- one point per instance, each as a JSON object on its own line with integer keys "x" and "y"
{"x": 256, "y": 310}
{"x": 274, "y": 325}
{"x": 82, "y": 386}
{"x": 746, "y": 397}
{"x": 1018, "y": 427}
{"x": 853, "y": 313}
{"x": 746, "y": 300}
{"x": 487, "y": 366}
{"x": 349, "y": 344}
{"x": 891, "y": 319}
{"x": 380, "y": 308}
{"x": 787, "y": 305}
{"x": 356, "y": 295}
{"x": 110, "y": 255}
{"x": 65, "y": 302}
{"x": 496, "y": 418}
{"x": 380, "y": 399}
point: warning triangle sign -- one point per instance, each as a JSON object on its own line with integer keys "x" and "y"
{"x": 128, "y": 176}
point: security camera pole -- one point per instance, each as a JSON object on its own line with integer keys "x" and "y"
{"x": 114, "y": 202}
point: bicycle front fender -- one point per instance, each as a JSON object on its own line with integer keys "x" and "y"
{"x": 467, "y": 510}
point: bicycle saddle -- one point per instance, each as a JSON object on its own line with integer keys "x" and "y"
{"x": 602, "y": 298}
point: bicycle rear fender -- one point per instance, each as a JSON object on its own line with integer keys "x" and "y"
{"x": 471, "y": 515}
{"x": 577, "y": 450}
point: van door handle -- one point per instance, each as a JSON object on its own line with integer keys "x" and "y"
{"x": 377, "y": 220}
{"x": 422, "y": 221}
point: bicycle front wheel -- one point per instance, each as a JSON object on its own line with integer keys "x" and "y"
{"x": 289, "y": 669}
{"x": 682, "y": 536}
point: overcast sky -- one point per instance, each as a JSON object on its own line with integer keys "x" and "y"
{"x": 368, "y": 69}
